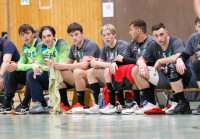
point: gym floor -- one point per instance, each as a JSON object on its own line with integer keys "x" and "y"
{"x": 42, "y": 126}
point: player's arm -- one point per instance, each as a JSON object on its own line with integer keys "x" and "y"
{"x": 197, "y": 7}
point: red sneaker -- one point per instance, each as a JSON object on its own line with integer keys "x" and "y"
{"x": 155, "y": 111}
{"x": 77, "y": 108}
{"x": 63, "y": 107}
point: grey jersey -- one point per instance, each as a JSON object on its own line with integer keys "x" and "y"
{"x": 134, "y": 50}
{"x": 193, "y": 45}
{"x": 89, "y": 48}
{"x": 108, "y": 54}
{"x": 155, "y": 52}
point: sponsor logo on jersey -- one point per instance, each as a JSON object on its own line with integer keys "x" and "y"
{"x": 33, "y": 54}
{"x": 143, "y": 51}
{"x": 27, "y": 54}
{"x": 46, "y": 56}
{"x": 169, "y": 54}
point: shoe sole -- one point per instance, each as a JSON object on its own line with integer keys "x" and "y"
{"x": 6, "y": 112}
{"x": 188, "y": 112}
{"x": 127, "y": 113}
{"x": 38, "y": 112}
{"x": 195, "y": 113}
{"x": 13, "y": 112}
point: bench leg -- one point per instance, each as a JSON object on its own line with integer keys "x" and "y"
{"x": 19, "y": 98}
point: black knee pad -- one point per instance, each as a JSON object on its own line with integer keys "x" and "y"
{"x": 172, "y": 74}
{"x": 196, "y": 66}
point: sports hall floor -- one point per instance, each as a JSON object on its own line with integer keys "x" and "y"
{"x": 98, "y": 126}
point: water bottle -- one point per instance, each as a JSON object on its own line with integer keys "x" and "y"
{"x": 101, "y": 100}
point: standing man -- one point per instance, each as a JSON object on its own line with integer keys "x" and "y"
{"x": 81, "y": 50}
{"x": 111, "y": 49}
{"x": 164, "y": 52}
{"x": 192, "y": 48}
{"x": 19, "y": 70}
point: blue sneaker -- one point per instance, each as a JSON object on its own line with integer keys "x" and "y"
{"x": 38, "y": 109}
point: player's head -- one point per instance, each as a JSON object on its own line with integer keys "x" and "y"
{"x": 26, "y": 33}
{"x": 160, "y": 33}
{"x": 197, "y": 24}
{"x": 108, "y": 33}
{"x": 76, "y": 34}
{"x": 137, "y": 27}
{"x": 47, "y": 35}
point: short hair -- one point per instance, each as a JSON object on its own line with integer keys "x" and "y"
{"x": 74, "y": 27}
{"x": 109, "y": 27}
{"x": 24, "y": 28}
{"x": 50, "y": 28}
{"x": 140, "y": 24}
{"x": 197, "y": 20}
{"x": 157, "y": 26}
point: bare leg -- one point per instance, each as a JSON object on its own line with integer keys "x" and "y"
{"x": 94, "y": 75}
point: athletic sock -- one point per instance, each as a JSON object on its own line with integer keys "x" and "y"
{"x": 148, "y": 96}
{"x": 136, "y": 96}
{"x": 181, "y": 96}
{"x": 25, "y": 102}
{"x": 175, "y": 98}
{"x": 95, "y": 87}
{"x": 63, "y": 96}
{"x": 43, "y": 102}
{"x": 152, "y": 87}
{"x": 81, "y": 96}
{"x": 111, "y": 94}
{"x": 120, "y": 97}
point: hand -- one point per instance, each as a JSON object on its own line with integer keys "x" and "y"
{"x": 91, "y": 58}
{"x": 1, "y": 84}
{"x": 143, "y": 69}
{"x": 94, "y": 63}
{"x": 198, "y": 53}
{"x": 13, "y": 66}
{"x": 157, "y": 66}
{"x": 59, "y": 66}
{"x": 180, "y": 66}
{"x": 37, "y": 70}
{"x": 113, "y": 68}
{"x": 48, "y": 63}
{"x": 118, "y": 58}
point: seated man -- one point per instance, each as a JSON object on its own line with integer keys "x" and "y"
{"x": 81, "y": 50}
{"x": 38, "y": 78}
{"x": 111, "y": 49}
{"x": 136, "y": 48}
{"x": 8, "y": 53}
{"x": 164, "y": 51}
{"x": 191, "y": 48}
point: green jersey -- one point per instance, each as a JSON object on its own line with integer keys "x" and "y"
{"x": 59, "y": 52}
{"x": 28, "y": 55}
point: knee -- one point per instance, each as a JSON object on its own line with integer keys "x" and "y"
{"x": 172, "y": 74}
{"x": 134, "y": 71}
{"x": 77, "y": 73}
{"x": 30, "y": 74}
{"x": 91, "y": 73}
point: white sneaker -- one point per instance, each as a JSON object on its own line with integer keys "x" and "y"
{"x": 93, "y": 110}
{"x": 131, "y": 109}
{"x": 117, "y": 109}
{"x": 149, "y": 106}
{"x": 108, "y": 107}
{"x": 174, "y": 104}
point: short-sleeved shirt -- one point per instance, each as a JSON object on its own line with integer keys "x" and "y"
{"x": 89, "y": 48}
{"x": 8, "y": 47}
{"x": 108, "y": 54}
{"x": 193, "y": 45}
{"x": 135, "y": 50}
{"x": 155, "y": 52}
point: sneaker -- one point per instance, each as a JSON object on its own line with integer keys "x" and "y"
{"x": 20, "y": 110}
{"x": 174, "y": 104}
{"x": 38, "y": 109}
{"x": 181, "y": 108}
{"x": 5, "y": 110}
{"x": 77, "y": 108}
{"x": 147, "y": 107}
{"x": 92, "y": 110}
{"x": 155, "y": 111}
{"x": 63, "y": 107}
{"x": 115, "y": 110}
{"x": 197, "y": 111}
{"x": 131, "y": 109}
{"x": 108, "y": 107}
